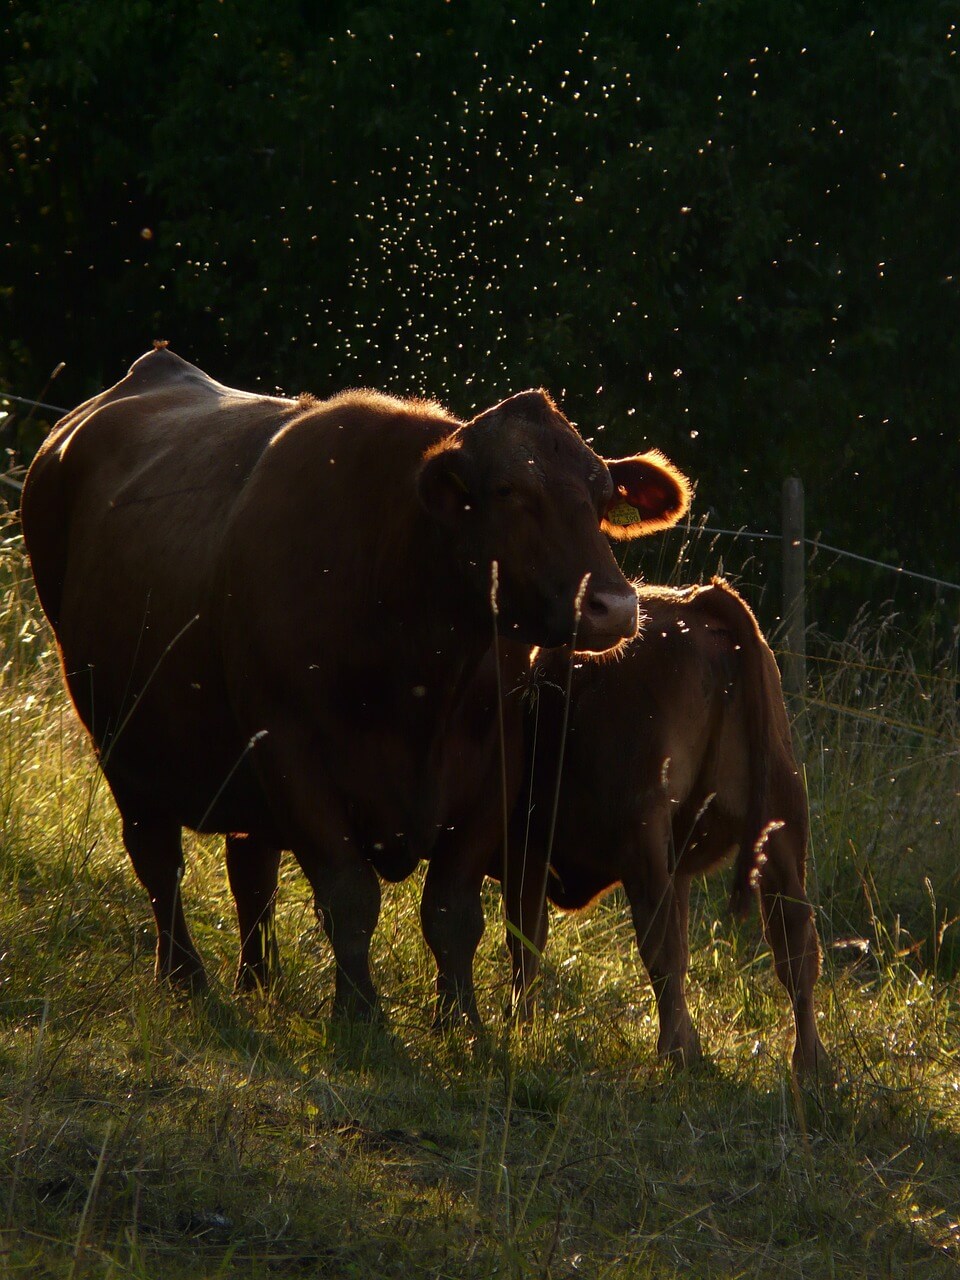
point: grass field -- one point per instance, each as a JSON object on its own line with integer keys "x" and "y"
{"x": 144, "y": 1137}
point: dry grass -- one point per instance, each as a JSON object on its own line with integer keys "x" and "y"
{"x": 144, "y": 1137}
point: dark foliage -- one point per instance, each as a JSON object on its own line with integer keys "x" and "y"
{"x": 729, "y": 229}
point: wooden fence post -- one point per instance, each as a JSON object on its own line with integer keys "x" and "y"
{"x": 794, "y": 601}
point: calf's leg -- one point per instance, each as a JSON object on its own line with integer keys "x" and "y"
{"x": 658, "y": 901}
{"x": 789, "y": 927}
{"x": 157, "y": 855}
{"x": 252, "y": 868}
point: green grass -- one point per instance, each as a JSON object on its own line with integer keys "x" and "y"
{"x": 145, "y": 1137}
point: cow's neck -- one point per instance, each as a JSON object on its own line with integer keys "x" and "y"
{"x": 431, "y": 607}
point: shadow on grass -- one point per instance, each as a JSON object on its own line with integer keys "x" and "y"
{"x": 574, "y": 1151}
{"x": 395, "y": 1149}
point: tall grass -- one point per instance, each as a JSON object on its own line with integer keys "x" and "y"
{"x": 882, "y": 743}
{"x": 141, "y": 1136}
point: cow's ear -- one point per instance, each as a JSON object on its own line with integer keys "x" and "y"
{"x": 649, "y": 493}
{"x": 443, "y": 484}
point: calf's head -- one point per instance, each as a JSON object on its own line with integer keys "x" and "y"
{"x": 517, "y": 485}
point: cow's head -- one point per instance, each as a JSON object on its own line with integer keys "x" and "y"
{"x": 517, "y": 485}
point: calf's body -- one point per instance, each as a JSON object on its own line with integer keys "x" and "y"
{"x": 677, "y": 755}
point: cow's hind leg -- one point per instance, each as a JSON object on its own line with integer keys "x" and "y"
{"x": 789, "y": 927}
{"x": 157, "y": 855}
{"x": 346, "y": 891}
{"x": 253, "y": 867}
{"x": 658, "y": 901}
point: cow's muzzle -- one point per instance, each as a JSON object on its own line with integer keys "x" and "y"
{"x": 607, "y": 617}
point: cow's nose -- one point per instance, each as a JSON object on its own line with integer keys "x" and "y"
{"x": 607, "y": 617}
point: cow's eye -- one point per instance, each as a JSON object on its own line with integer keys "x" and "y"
{"x": 605, "y": 498}
{"x": 502, "y": 491}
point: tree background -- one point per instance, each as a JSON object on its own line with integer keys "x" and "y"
{"x": 727, "y": 228}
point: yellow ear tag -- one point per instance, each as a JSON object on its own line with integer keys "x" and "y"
{"x": 623, "y": 513}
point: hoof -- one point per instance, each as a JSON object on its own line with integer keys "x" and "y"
{"x": 814, "y": 1067}
{"x": 520, "y": 1015}
{"x": 683, "y": 1052}
{"x": 355, "y": 1008}
{"x": 451, "y": 1022}
{"x": 188, "y": 978}
{"x": 253, "y": 979}
{"x": 452, "y": 1013}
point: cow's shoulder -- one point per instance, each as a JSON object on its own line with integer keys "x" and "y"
{"x": 366, "y": 441}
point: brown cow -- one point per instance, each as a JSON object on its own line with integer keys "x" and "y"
{"x": 676, "y": 754}
{"x": 274, "y": 618}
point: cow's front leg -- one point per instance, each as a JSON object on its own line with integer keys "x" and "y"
{"x": 346, "y": 893}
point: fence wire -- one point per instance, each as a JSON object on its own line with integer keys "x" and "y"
{"x": 818, "y": 545}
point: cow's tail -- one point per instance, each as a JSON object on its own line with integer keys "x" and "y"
{"x": 760, "y": 696}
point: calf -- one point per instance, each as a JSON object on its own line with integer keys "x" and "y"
{"x": 677, "y": 754}
{"x": 274, "y": 618}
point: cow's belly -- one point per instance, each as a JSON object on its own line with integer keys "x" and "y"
{"x": 401, "y": 795}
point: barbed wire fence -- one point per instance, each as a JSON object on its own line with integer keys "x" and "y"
{"x": 11, "y": 478}
{"x": 921, "y": 644}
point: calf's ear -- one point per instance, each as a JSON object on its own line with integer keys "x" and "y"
{"x": 442, "y": 484}
{"x": 649, "y": 493}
